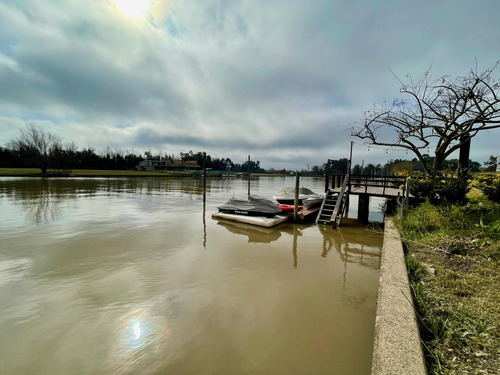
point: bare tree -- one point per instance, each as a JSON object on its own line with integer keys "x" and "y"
{"x": 42, "y": 143}
{"x": 444, "y": 113}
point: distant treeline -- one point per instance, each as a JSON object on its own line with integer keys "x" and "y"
{"x": 399, "y": 165}
{"x": 88, "y": 158}
{"x": 29, "y": 152}
{"x": 392, "y": 166}
{"x": 220, "y": 164}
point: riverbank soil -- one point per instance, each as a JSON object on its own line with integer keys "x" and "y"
{"x": 453, "y": 258}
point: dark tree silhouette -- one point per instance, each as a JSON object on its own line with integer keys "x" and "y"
{"x": 42, "y": 144}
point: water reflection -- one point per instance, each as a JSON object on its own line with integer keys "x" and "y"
{"x": 294, "y": 247}
{"x": 142, "y": 336}
{"x": 254, "y": 233}
{"x": 204, "y": 224}
{"x": 12, "y": 270}
{"x": 363, "y": 250}
{"x": 351, "y": 246}
{"x": 43, "y": 199}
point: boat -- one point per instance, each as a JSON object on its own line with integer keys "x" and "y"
{"x": 288, "y": 207}
{"x": 313, "y": 202}
{"x": 252, "y": 206}
{"x": 286, "y": 195}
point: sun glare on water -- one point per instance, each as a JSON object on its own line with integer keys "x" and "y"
{"x": 133, "y": 8}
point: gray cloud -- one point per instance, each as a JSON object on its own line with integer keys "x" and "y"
{"x": 277, "y": 79}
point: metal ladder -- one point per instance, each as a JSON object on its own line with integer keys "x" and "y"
{"x": 327, "y": 207}
{"x": 333, "y": 207}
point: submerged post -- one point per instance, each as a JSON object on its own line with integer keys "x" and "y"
{"x": 296, "y": 198}
{"x": 363, "y": 207}
{"x": 249, "y": 176}
{"x": 204, "y": 177}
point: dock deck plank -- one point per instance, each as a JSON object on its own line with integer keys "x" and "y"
{"x": 376, "y": 191}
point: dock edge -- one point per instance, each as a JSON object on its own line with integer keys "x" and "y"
{"x": 397, "y": 348}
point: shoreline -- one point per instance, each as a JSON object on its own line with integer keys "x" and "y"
{"x": 396, "y": 347}
{"x": 112, "y": 173}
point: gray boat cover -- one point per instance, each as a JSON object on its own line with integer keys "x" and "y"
{"x": 252, "y": 204}
{"x": 290, "y": 192}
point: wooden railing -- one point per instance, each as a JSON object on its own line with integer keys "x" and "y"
{"x": 366, "y": 181}
{"x": 334, "y": 181}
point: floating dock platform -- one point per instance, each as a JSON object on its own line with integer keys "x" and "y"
{"x": 266, "y": 222}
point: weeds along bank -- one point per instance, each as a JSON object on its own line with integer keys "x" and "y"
{"x": 453, "y": 258}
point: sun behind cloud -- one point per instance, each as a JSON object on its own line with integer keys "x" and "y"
{"x": 133, "y": 8}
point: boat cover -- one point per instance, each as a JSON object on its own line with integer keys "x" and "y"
{"x": 313, "y": 201}
{"x": 254, "y": 204}
{"x": 290, "y": 192}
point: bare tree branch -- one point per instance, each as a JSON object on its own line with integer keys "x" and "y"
{"x": 444, "y": 113}
{"x": 42, "y": 143}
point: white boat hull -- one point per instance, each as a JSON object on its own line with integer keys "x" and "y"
{"x": 260, "y": 221}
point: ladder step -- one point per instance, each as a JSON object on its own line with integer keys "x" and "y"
{"x": 328, "y": 207}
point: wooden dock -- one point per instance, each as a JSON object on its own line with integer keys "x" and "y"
{"x": 336, "y": 200}
{"x": 307, "y": 215}
{"x": 374, "y": 191}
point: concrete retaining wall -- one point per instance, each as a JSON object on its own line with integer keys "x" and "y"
{"x": 397, "y": 348}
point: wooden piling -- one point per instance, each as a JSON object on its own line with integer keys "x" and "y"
{"x": 249, "y": 176}
{"x": 363, "y": 207}
{"x": 294, "y": 247}
{"x": 296, "y": 198}
{"x": 204, "y": 177}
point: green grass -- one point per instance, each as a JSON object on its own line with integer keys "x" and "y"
{"x": 453, "y": 257}
{"x": 19, "y": 171}
{"x": 97, "y": 172}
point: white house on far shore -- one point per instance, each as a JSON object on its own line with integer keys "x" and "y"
{"x": 162, "y": 165}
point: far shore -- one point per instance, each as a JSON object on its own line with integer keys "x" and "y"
{"x": 35, "y": 172}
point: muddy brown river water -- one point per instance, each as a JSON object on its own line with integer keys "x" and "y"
{"x": 133, "y": 276}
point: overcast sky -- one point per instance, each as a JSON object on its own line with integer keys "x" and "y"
{"x": 277, "y": 79}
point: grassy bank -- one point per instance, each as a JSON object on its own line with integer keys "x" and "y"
{"x": 93, "y": 173}
{"x": 19, "y": 171}
{"x": 453, "y": 257}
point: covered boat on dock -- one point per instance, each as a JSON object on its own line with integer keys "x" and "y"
{"x": 286, "y": 195}
{"x": 252, "y": 206}
{"x": 313, "y": 202}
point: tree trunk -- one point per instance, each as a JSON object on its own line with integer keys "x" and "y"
{"x": 463, "y": 158}
{"x": 43, "y": 167}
